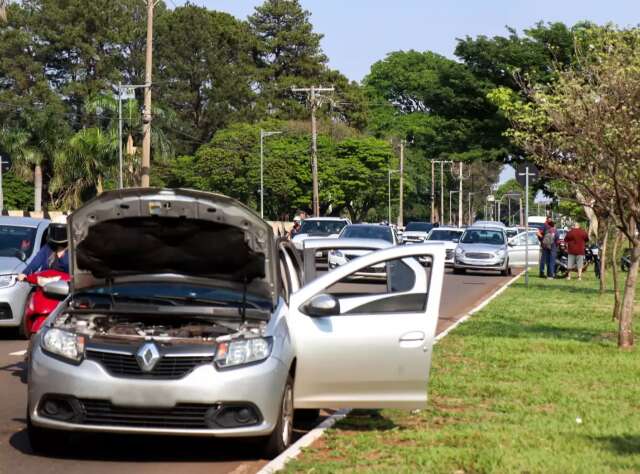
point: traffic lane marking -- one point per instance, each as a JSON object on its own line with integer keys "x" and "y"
{"x": 18, "y": 353}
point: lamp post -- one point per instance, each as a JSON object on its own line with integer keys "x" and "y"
{"x": 263, "y": 134}
{"x": 469, "y": 194}
{"x": 451, "y": 193}
{"x": 121, "y": 88}
{"x": 389, "y": 187}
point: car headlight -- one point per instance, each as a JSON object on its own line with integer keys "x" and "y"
{"x": 336, "y": 253}
{"x": 500, "y": 253}
{"x": 7, "y": 280}
{"x": 459, "y": 251}
{"x": 243, "y": 351}
{"x": 64, "y": 344}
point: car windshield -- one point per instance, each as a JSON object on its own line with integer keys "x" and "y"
{"x": 368, "y": 232}
{"x": 418, "y": 227}
{"x": 483, "y": 236}
{"x": 17, "y": 241}
{"x": 444, "y": 235}
{"x": 321, "y": 227}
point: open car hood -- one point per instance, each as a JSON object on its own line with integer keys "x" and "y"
{"x": 171, "y": 235}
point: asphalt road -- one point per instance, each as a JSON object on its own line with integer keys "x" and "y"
{"x": 121, "y": 455}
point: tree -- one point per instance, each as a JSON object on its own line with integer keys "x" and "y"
{"x": 357, "y": 176}
{"x": 210, "y": 86}
{"x": 83, "y": 166}
{"x": 583, "y": 129}
{"x": 502, "y": 60}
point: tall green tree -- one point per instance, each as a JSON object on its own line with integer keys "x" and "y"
{"x": 210, "y": 86}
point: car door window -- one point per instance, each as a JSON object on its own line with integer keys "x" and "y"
{"x": 533, "y": 240}
{"x": 396, "y": 284}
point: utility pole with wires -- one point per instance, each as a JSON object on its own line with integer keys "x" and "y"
{"x": 315, "y": 100}
{"x": 433, "y": 190}
{"x": 146, "y": 115}
{"x": 401, "y": 205}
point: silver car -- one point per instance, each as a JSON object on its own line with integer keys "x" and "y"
{"x": 20, "y": 240}
{"x": 185, "y": 317}
{"x": 518, "y": 248}
{"x": 482, "y": 248}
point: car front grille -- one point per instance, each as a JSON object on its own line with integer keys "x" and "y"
{"x": 480, "y": 256}
{"x": 184, "y": 415}
{"x": 126, "y": 365}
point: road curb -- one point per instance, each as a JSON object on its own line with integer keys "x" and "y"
{"x": 292, "y": 452}
{"x": 296, "y": 448}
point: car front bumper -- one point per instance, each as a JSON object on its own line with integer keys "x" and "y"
{"x": 497, "y": 263}
{"x": 13, "y": 300}
{"x": 260, "y": 386}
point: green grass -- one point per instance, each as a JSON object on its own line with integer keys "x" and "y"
{"x": 534, "y": 383}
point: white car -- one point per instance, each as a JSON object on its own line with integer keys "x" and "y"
{"x": 517, "y": 249}
{"x": 416, "y": 232}
{"x": 363, "y": 232}
{"x": 319, "y": 228}
{"x": 450, "y": 236}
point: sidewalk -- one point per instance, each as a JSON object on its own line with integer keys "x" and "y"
{"x": 533, "y": 383}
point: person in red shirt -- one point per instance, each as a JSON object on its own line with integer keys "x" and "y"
{"x": 576, "y": 241}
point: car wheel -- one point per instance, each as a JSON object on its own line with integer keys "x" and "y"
{"x": 45, "y": 441}
{"x": 280, "y": 437}
{"x": 24, "y": 329}
{"x": 306, "y": 415}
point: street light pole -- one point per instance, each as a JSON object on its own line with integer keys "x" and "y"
{"x": 120, "y": 89}
{"x": 263, "y": 134}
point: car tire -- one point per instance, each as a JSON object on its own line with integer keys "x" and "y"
{"x": 306, "y": 415}
{"x": 45, "y": 441}
{"x": 23, "y": 329}
{"x": 280, "y": 437}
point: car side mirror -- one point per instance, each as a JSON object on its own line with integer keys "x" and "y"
{"x": 322, "y": 305}
{"x": 58, "y": 290}
{"x": 21, "y": 255}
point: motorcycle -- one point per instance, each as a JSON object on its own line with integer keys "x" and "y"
{"x": 39, "y": 306}
{"x": 591, "y": 256}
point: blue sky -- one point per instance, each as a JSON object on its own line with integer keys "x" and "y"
{"x": 360, "y": 32}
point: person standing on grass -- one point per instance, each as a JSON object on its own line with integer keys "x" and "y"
{"x": 549, "y": 245}
{"x": 576, "y": 240}
{"x": 540, "y": 234}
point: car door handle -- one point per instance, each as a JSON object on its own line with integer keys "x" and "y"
{"x": 412, "y": 339}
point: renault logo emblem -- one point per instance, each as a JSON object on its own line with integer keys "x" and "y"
{"x": 147, "y": 357}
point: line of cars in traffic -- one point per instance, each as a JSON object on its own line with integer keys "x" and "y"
{"x": 483, "y": 246}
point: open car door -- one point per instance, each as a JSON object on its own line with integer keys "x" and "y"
{"x": 366, "y": 341}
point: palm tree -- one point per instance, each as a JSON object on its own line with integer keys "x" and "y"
{"x": 83, "y": 165}
{"x": 105, "y": 106}
{"x": 26, "y": 160}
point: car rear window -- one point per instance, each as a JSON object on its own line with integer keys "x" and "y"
{"x": 367, "y": 232}
{"x": 483, "y": 236}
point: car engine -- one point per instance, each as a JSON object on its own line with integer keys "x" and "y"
{"x": 161, "y": 328}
